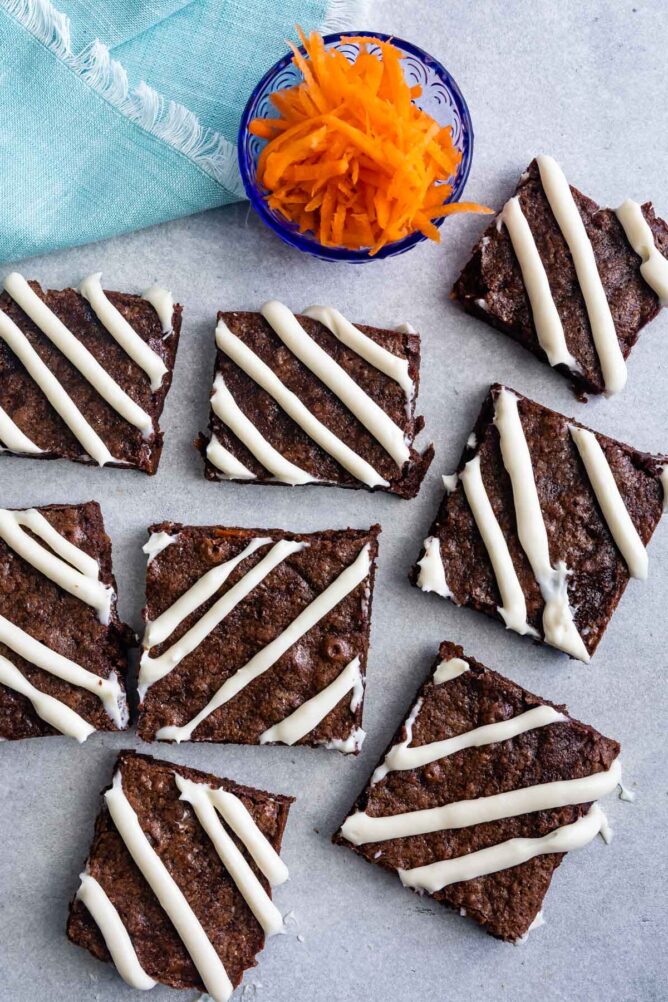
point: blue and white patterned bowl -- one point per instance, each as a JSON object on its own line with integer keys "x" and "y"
{"x": 441, "y": 98}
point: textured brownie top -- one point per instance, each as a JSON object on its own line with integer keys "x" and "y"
{"x": 186, "y": 851}
{"x": 577, "y": 532}
{"x": 491, "y": 285}
{"x": 400, "y": 475}
{"x": 504, "y": 901}
{"x": 27, "y": 405}
{"x": 34, "y": 608}
{"x": 271, "y": 577}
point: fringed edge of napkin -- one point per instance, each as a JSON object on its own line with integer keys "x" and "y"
{"x": 168, "y": 121}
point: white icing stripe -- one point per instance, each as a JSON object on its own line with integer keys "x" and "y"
{"x": 153, "y": 669}
{"x": 14, "y": 439}
{"x": 260, "y": 373}
{"x": 612, "y": 505}
{"x": 156, "y": 543}
{"x": 435, "y": 876}
{"x": 349, "y": 745}
{"x": 402, "y": 757}
{"x": 69, "y": 567}
{"x": 381, "y": 771}
{"x": 169, "y": 894}
{"x": 76, "y": 352}
{"x": 569, "y": 220}
{"x": 432, "y": 571}
{"x": 449, "y": 670}
{"x": 203, "y": 589}
{"x": 368, "y": 349}
{"x": 379, "y": 424}
{"x": 56, "y": 394}
{"x": 361, "y": 828}
{"x": 307, "y": 716}
{"x": 346, "y": 582}
{"x": 226, "y": 408}
{"x": 107, "y": 690}
{"x": 50, "y": 709}
{"x": 115, "y": 935}
{"x": 654, "y": 267}
{"x": 513, "y": 611}
{"x": 549, "y": 329}
{"x": 126, "y": 336}
{"x": 664, "y": 484}
{"x": 162, "y": 302}
{"x": 224, "y": 461}
{"x": 201, "y": 799}
{"x": 240, "y": 820}
{"x": 558, "y": 625}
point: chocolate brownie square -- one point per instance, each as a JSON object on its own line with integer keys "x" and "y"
{"x": 63, "y": 649}
{"x": 256, "y": 636}
{"x": 177, "y": 886}
{"x": 480, "y": 794}
{"x": 543, "y": 523}
{"x": 84, "y": 374}
{"x": 312, "y": 399}
{"x": 571, "y": 281}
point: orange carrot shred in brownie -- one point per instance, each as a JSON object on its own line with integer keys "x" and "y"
{"x": 350, "y": 157}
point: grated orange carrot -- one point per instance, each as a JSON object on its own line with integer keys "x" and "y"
{"x": 350, "y": 157}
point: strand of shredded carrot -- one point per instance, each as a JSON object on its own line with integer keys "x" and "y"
{"x": 350, "y": 157}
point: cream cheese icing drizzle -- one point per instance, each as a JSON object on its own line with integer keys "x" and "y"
{"x": 402, "y": 757}
{"x": 558, "y": 625}
{"x": 54, "y": 392}
{"x": 69, "y": 567}
{"x": 204, "y": 588}
{"x": 77, "y": 353}
{"x": 206, "y": 805}
{"x": 107, "y": 690}
{"x": 239, "y": 819}
{"x": 664, "y": 484}
{"x": 379, "y": 424}
{"x": 266, "y": 378}
{"x": 163, "y": 303}
{"x": 432, "y": 572}
{"x": 115, "y": 935}
{"x": 14, "y": 439}
{"x": 223, "y": 460}
{"x": 361, "y": 828}
{"x": 156, "y": 543}
{"x": 513, "y": 611}
{"x": 346, "y": 582}
{"x": 348, "y": 745}
{"x": 368, "y": 349}
{"x": 569, "y": 220}
{"x": 122, "y": 332}
{"x": 169, "y": 894}
{"x": 449, "y": 670}
{"x": 435, "y": 876}
{"x": 612, "y": 505}
{"x": 153, "y": 669}
{"x": 226, "y": 408}
{"x": 307, "y": 716}
{"x": 50, "y": 709}
{"x": 654, "y": 267}
{"x": 549, "y": 329}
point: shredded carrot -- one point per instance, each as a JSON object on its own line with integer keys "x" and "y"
{"x": 350, "y": 157}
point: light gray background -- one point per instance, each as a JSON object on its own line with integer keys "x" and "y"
{"x": 584, "y": 81}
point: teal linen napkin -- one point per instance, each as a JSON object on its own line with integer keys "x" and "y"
{"x": 121, "y": 114}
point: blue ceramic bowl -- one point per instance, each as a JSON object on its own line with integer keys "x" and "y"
{"x": 441, "y": 98}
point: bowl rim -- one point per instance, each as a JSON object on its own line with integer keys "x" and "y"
{"x": 309, "y": 244}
